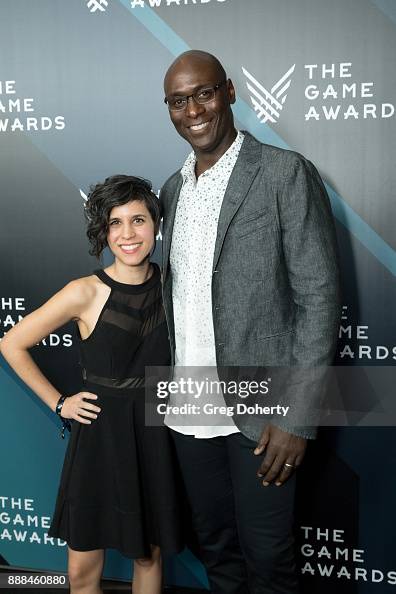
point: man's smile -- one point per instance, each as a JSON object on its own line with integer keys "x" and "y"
{"x": 200, "y": 126}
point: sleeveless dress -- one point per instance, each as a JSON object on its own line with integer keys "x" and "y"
{"x": 119, "y": 486}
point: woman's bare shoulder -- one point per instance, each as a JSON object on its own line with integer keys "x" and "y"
{"x": 84, "y": 290}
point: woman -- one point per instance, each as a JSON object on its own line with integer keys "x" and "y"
{"x": 118, "y": 484}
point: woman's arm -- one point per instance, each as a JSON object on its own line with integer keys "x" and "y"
{"x": 66, "y": 305}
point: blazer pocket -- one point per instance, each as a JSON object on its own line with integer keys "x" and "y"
{"x": 252, "y": 222}
{"x": 276, "y": 334}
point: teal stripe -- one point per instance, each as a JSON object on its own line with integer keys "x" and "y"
{"x": 246, "y": 115}
{"x": 175, "y": 44}
{"x": 388, "y": 7}
{"x": 362, "y": 231}
{"x": 187, "y": 559}
{"x": 5, "y": 368}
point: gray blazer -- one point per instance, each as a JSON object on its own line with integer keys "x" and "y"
{"x": 275, "y": 282}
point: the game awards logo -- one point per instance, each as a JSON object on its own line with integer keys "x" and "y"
{"x": 95, "y": 5}
{"x": 170, "y": 3}
{"x": 268, "y": 104}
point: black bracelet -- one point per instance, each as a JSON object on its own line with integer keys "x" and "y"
{"x": 59, "y": 405}
{"x": 65, "y": 422}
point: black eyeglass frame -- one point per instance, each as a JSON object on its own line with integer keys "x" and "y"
{"x": 213, "y": 88}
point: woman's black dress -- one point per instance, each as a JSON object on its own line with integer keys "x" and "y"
{"x": 119, "y": 484}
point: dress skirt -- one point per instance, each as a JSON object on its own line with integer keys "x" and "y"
{"x": 120, "y": 486}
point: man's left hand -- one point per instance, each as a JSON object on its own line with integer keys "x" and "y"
{"x": 283, "y": 454}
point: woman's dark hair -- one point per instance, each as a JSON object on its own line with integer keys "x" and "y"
{"x": 116, "y": 191}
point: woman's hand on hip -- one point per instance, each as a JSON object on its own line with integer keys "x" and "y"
{"x": 78, "y": 408}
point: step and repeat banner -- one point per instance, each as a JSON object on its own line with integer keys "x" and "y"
{"x": 81, "y": 98}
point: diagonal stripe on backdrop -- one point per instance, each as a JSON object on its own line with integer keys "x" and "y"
{"x": 354, "y": 223}
{"x": 4, "y": 367}
{"x": 388, "y": 7}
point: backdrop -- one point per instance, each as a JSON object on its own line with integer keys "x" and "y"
{"x": 81, "y": 98}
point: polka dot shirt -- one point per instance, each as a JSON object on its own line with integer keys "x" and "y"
{"x": 191, "y": 259}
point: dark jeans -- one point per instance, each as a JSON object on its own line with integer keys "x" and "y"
{"x": 244, "y": 529}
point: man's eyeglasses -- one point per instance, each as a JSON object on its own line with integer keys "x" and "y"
{"x": 204, "y": 95}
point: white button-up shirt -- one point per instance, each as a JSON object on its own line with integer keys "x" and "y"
{"x": 191, "y": 261}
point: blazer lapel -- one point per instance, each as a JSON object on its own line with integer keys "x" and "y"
{"x": 172, "y": 197}
{"x": 241, "y": 179}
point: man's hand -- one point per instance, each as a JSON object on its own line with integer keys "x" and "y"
{"x": 283, "y": 454}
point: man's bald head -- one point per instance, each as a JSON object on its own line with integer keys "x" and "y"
{"x": 197, "y": 80}
{"x": 195, "y": 59}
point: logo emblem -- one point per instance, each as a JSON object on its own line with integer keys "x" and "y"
{"x": 268, "y": 104}
{"x": 95, "y": 5}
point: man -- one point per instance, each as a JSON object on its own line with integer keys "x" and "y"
{"x": 250, "y": 279}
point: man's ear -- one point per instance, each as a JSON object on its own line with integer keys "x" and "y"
{"x": 231, "y": 91}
